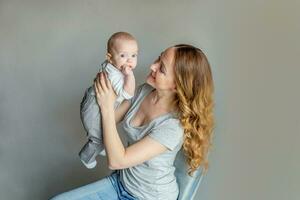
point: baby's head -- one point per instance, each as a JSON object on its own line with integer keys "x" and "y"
{"x": 122, "y": 50}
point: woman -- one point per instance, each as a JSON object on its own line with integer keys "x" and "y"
{"x": 173, "y": 109}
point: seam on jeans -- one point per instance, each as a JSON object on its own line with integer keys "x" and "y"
{"x": 113, "y": 184}
{"x": 123, "y": 191}
{"x": 127, "y": 193}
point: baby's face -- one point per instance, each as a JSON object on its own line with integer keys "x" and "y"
{"x": 124, "y": 53}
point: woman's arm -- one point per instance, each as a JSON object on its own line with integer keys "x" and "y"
{"x": 118, "y": 156}
{"x": 121, "y": 110}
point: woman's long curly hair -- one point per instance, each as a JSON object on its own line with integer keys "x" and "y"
{"x": 194, "y": 103}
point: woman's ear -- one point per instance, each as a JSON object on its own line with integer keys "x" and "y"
{"x": 108, "y": 57}
{"x": 174, "y": 88}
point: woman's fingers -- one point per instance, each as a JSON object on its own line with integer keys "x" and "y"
{"x": 103, "y": 82}
{"x": 97, "y": 88}
{"x": 104, "y": 92}
{"x": 98, "y": 85}
{"x": 107, "y": 81}
{"x": 100, "y": 81}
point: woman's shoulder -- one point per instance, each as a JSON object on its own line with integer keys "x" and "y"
{"x": 171, "y": 121}
{"x": 168, "y": 132}
{"x": 141, "y": 91}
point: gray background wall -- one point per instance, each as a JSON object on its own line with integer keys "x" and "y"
{"x": 50, "y": 52}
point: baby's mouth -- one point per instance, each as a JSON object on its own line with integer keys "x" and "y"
{"x": 124, "y": 66}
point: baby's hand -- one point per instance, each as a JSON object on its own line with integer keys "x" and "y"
{"x": 127, "y": 70}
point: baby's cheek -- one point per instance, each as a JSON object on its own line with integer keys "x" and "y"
{"x": 134, "y": 63}
{"x": 121, "y": 61}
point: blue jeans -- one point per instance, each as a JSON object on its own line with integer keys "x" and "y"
{"x": 108, "y": 188}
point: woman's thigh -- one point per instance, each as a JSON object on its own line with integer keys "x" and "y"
{"x": 99, "y": 190}
{"x": 108, "y": 188}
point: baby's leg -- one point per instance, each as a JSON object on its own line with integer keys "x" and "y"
{"x": 88, "y": 154}
{"x": 90, "y": 115}
{"x": 91, "y": 120}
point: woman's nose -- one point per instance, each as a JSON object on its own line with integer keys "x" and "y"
{"x": 153, "y": 67}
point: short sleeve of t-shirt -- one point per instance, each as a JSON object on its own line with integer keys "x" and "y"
{"x": 169, "y": 133}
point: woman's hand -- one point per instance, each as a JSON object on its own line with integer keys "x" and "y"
{"x": 104, "y": 92}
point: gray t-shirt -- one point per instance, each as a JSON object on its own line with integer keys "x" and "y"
{"x": 154, "y": 179}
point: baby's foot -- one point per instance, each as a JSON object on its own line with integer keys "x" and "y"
{"x": 90, "y": 165}
{"x": 88, "y": 154}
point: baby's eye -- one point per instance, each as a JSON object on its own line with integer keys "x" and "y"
{"x": 122, "y": 55}
{"x": 134, "y": 55}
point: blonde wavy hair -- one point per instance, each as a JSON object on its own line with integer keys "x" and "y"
{"x": 194, "y": 103}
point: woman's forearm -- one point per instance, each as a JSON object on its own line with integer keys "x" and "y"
{"x": 113, "y": 145}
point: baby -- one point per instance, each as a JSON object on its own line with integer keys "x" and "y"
{"x": 121, "y": 59}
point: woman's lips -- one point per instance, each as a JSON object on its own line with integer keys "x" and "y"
{"x": 152, "y": 76}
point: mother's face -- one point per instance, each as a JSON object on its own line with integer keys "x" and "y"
{"x": 162, "y": 75}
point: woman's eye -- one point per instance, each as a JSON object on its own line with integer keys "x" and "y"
{"x": 161, "y": 70}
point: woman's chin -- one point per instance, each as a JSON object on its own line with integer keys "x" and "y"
{"x": 150, "y": 80}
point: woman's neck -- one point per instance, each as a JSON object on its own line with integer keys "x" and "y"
{"x": 162, "y": 99}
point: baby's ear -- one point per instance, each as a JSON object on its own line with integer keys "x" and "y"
{"x": 108, "y": 57}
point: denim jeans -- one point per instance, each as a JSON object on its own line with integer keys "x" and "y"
{"x": 108, "y": 188}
